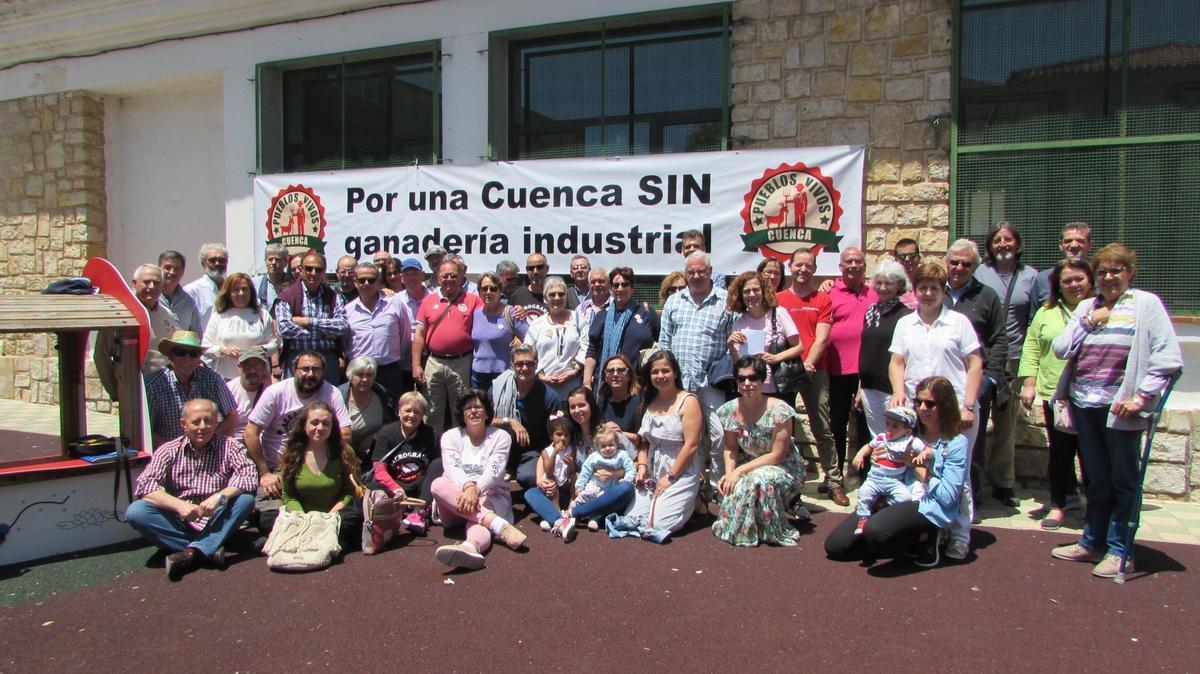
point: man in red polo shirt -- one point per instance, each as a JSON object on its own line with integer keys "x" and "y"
{"x": 444, "y": 328}
{"x": 812, "y": 312}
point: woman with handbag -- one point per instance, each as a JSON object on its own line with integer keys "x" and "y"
{"x": 763, "y": 468}
{"x": 1121, "y": 354}
{"x": 1071, "y": 281}
{"x": 494, "y": 331}
{"x": 318, "y": 471}
{"x": 763, "y": 328}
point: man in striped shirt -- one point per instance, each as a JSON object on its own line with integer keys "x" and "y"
{"x": 197, "y": 489}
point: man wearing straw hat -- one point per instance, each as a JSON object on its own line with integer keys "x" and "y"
{"x": 184, "y": 379}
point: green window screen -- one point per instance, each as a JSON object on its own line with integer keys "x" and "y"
{"x": 1083, "y": 110}
{"x": 619, "y": 92}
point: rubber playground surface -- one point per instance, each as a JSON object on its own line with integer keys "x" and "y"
{"x": 620, "y": 605}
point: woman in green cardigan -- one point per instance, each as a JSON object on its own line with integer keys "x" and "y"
{"x": 318, "y": 469}
{"x": 1071, "y": 281}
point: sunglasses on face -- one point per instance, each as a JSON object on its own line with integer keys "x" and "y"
{"x": 534, "y": 267}
{"x": 747, "y": 377}
{"x": 312, "y": 268}
{"x": 622, "y": 284}
{"x": 906, "y": 256}
{"x": 554, "y": 296}
{"x": 488, "y": 289}
{"x": 366, "y": 280}
{"x": 616, "y": 370}
{"x": 960, "y": 263}
{"x": 185, "y": 353}
{"x": 926, "y": 403}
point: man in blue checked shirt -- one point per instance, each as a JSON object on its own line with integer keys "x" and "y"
{"x": 311, "y": 316}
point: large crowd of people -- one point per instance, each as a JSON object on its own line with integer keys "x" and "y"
{"x": 412, "y": 394}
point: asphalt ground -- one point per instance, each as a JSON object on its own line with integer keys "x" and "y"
{"x": 694, "y": 603}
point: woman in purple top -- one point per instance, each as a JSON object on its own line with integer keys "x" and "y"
{"x": 493, "y": 330}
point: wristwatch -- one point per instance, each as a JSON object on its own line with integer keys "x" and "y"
{"x": 671, "y": 478}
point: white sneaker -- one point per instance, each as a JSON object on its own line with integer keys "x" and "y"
{"x": 545, "y": 526}
{"x": 593, "y": 525}
{"x": 957, "y": 550}
{"x": 461, "y": 556}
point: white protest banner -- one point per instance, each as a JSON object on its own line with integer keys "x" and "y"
{"x": 619, "y": 211}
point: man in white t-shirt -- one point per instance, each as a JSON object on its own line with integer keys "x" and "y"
{"x": 271, "y": 420}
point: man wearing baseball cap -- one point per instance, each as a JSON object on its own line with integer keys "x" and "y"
{"x": 255, "y": 371}
{"x": 184, "y": 379}
{"x": 433, "y": 257}
{"x": 415, "y": 289}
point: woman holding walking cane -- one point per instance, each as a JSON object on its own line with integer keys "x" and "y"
{"x": 1121, "y": 353}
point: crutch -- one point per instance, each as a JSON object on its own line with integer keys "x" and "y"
{"x": 1135, "y": 515}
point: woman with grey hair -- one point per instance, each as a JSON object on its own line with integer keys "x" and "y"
{"x": 875, "y": 390}
{"x": 556, "y": 336}
{"x": 367, "y": 403}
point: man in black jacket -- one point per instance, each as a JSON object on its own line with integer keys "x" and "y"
{"x": 983, "y": 307}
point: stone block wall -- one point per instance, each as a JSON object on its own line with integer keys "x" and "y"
{"x": 52, "y": 219}
{"x": 1174, "y": 470}
{"x": 832, "y": 72}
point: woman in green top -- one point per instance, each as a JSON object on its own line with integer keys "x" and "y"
{"x": 318, "y": 469}
{"x": 1071, "y": 281}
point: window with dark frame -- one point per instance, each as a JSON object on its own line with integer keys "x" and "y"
{"x": 351, "y": 112}
{"x": 619, "y": 91}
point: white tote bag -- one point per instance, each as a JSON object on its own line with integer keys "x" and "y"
{"x": 303, "y": 541}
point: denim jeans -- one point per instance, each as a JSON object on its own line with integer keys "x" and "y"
{"x": 170, "y": 532}
{"x": 1110, "y": 460}
{"x": 613, "y": 500}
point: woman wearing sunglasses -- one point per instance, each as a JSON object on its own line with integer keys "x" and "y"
{"x": 626, "y": 327}
{"x": 763, "y": 469}
{"x": 935, "y": 341}
{"x": 913, "y": 527}
{"x": 494, "y": 330}
{"x": 556, "y": 336}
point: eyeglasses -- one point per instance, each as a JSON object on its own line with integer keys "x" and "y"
{"x": 473, "y": 408}
{"x": 926, "y": 403}
{"x": 1115, "y": 271}
{"x": 580, "y": 267}
{"x": 312, "y": 268}
{"x": 488, "y": 289}
{"x": 747, "y": 377}
{"x": 907, "y": 256}
{"x": 366, "y": 280}
{"x": 555, "y": 295}
{"x": 967, "y": 264}
{"x": 616, "y": 370}
{"x": 217, "y": 260}
{"x": 622, "y": 284}
{"x": 534, "y": 267}
{"x": 521, "y": 364}
{"x": 185, "y": 353}
{"x": 676, "y": 289}
{"x": 311, "y": 369}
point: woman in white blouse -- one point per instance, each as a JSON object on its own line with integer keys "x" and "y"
{"x": 238, "y": 322}
{"x": 556, "y": 336}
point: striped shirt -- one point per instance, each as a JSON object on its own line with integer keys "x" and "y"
{"x": 1100, "y": 365}
{"x": 326, "y": 326}
{"x": 166, "y": 398}
{"x": 696, "y": 333}
{"x": 193, "y": 475}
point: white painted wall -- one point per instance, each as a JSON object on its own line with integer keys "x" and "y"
{"x": 165, "y": 174}
{"x": 181, "y": 158}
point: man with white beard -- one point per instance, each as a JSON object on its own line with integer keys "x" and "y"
{"x": 1013, "y": 282}
{"x": 214, "y": 259}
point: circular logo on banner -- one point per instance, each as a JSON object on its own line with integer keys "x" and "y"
{"x": 791, "y": 207}
{"x": 296, "y": 219}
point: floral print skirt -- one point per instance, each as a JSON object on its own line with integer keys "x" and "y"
{"x": 756, "y": 511}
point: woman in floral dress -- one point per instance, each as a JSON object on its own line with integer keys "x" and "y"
{"x": 763, "y": 469}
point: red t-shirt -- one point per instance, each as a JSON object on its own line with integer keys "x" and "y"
{"x": 448, "y": 325}
{"x": 806, "y": 313}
